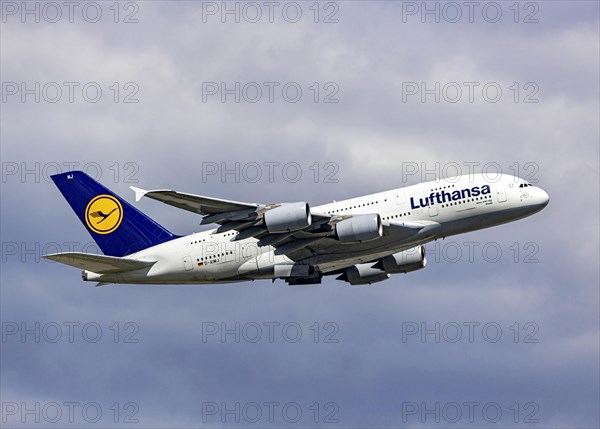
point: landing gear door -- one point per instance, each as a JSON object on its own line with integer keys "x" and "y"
{"x": 501, "y": 195}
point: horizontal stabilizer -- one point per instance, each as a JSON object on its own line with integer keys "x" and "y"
{"x": 100, "y": 264}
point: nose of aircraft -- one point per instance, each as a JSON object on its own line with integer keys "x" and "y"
{"x": 541, "y": 198}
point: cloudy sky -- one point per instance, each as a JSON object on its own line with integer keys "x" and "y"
{"x": 284, "y": 101}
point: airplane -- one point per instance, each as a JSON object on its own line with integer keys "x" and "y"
{"x": 362, "y": 240}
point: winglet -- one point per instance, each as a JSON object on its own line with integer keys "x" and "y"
{"x": 139, "y": 193}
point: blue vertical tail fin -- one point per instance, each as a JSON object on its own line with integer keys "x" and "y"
{"x": 118, "y": 228}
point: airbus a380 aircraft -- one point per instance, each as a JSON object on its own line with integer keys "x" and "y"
{"x": 362, "y": 240}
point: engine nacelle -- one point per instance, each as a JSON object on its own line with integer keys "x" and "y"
{"x": 362, "y": 274}
{"x": 288, "y": 217}
{"x": 403, "y": 262}
{"x": 363, "y": 227}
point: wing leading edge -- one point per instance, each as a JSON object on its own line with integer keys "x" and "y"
{"x": 196, "y": 203}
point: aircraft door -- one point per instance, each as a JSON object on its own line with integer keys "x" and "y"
{"x": 433, "y": 210}
{"x": 187, "y": 263}
{"x": 501, "y": 194}
{"x": 400, "y": 198}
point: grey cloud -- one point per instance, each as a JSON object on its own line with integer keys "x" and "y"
{"x": 170, "y": 133}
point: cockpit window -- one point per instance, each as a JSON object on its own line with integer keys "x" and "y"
{"x": 524, "y": 185}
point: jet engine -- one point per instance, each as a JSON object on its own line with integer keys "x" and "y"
{"x": 363, "y": 227}
{"x": 288, "y": 217}
{"x": 403, "y": 262}
{"x": 362, "y": 274}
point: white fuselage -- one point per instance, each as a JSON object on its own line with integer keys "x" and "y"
{"x": 459, "y": 204}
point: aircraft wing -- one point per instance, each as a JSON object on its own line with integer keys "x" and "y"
{"x": 195, "y": 203}
{"x": 213, "y": 210}
{"x": 100, "y": 264}
{"x": 247, "y": 219}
